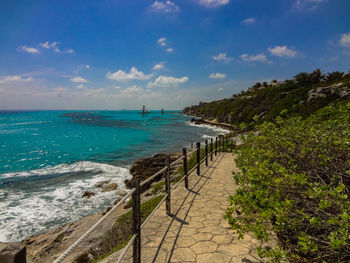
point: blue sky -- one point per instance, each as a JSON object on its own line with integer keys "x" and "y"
{"x": 117, "y": 54}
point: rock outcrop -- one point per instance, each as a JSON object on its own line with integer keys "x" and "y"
{"x": 323, "y": 92}
{"x": 146, "y": 167}
{"x": 88, "y": 194}
{"x": 12, "y": 253}
{"x": 109, "y": 187}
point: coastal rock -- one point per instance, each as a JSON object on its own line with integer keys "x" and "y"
{"x": 122, "y": 192}
{"x": 324, "y": 92}
{"x": 107, "y": 210}
{"x": 102, "y": 183}
{"x": 88, "y": 194}
{"x": 146, "y": 167}
{"x": 109, "y": 187}
{"x": 196, "y": 121}
{"x": 117, "y": 200}
{"x": 12, "y": 253}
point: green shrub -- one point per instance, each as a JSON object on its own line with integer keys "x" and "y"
{"x": 295, "y": 182}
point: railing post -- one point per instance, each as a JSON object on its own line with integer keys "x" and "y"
{"x": 216, "y": 146}
{"x": 206, "y": 152}
{"x": 211, "y": 149}
{"x": 184, "y": 153}
{"x": 136, "y": 218}
{"x": 167, "y": 186}
{"x": 198, "y": 157}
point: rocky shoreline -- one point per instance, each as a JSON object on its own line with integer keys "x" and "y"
{"x": 48, "y": 246}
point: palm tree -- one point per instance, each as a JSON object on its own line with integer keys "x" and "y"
{"x": 334, "y": 76}
{"x": 316, "y": 76}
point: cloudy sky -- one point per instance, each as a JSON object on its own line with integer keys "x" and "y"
{"x": 117, "y": 54}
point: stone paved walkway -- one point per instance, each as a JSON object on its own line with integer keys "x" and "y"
{"x": 197, "y": 231}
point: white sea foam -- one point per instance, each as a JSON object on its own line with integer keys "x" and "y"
{"x": 50, "y": 205}
{"x": 217, "y": 129}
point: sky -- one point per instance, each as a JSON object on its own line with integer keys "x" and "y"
{"x": 118, "y": 54}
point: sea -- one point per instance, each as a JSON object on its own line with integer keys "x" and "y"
{"x": 48, "y": 159}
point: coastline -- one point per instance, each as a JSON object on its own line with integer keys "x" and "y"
{"x": 47, "y": 246}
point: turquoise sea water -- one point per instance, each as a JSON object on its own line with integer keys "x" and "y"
{"x": 49, "y": 158}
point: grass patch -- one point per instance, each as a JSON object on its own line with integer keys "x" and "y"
{"x": 120, "y": 234}
{"x": 157, "y": 187}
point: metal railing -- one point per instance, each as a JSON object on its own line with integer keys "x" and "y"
{"x": 135, "y": 193}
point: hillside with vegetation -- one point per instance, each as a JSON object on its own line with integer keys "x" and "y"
{"x": 295, "y": 184}
{"x": 300, "y": 96}
{"x": 294, "y": 179}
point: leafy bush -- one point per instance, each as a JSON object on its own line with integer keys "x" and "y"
{"x": 267, "y": 101}
{"x": 295, "y": 182}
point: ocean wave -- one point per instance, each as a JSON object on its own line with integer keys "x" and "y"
{"x": 217, "y": 129}
{"x": 48, "y": 205}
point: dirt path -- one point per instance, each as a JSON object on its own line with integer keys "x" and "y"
{"x": 196, "y": 231}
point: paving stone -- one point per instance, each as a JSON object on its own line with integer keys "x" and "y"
{"x": 198, "y": 232}
{"x": 204, "y": 247}
{"x": 213, "y": 258}
{"x": 183, "y": 254}
{"x": 202, "y": 236}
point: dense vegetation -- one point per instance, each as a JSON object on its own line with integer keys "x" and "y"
{"x": 295, "y": 183}
{"x": 299, "y": 96}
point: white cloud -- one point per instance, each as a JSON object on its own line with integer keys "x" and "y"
{"x": 251, "y": 58}
{"x": 167, "y": 81}
{"x": 308, "y": 5}
{"x": 159, "y": 66}
{"x": 345, "y": 40}
{"x": 282, "y": 51}
{"x": 56, "y": 49}
{"x": 217, "y": 76}
{"x": 220, "y": 89}
{"x": 213, "y": 3}
{"x": 117, "y": 87}
{"x": 48, "y": 45}
{"x": 222, "y": 57}
{"x": 78, "y": 80}
{"x": 14, "y": 78}
{"x": 81, "y": 86}
{"x": 133, "y": 74}
{"x": 87, "y": 66}
{"x": 31, "y": 50}
{"x": 93, "y": 92}
{"x": 165, "y": 7}
{"x": 132, "y": 91}
{"x": 68, "y": 51}
{"x": 162, "y": 41}
{"x": 249, "y": 21}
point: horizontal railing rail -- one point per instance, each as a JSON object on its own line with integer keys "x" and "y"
{"x": 135, "y": 193}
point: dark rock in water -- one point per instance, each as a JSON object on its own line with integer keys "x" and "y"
{"x": 88, "y": 194}
{"x": 122, "y": 192}
{"x": 116, "y": 201}
{"x": 102, "y": 183}
{"x": 109, "y": 187}
{"x": 147, "y": 167}
{"x": 12, "y": 253}
{"x": 107, "y": 210}
{"x": 197, "y": 121}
